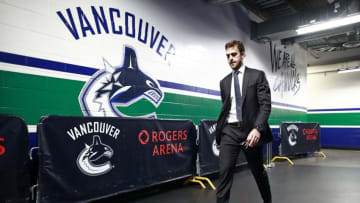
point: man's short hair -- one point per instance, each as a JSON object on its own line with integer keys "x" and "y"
{"x": 236, "y": 43}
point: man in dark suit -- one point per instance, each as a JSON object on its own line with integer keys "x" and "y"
{"x": 243, "y": 122}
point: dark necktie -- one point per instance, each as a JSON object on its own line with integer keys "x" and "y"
{"x": 238, "y": 97}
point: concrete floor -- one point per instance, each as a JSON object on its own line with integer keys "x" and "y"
{"x": 312, "y": 179}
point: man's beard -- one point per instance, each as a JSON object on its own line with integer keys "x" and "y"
{"x": 238, "y": 66}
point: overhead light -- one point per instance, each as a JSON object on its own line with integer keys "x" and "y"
{"x": 349, "y": 70}
{"x": 329, "y": 24}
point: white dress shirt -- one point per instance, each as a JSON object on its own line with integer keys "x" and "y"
{"x": 232, "y": 114}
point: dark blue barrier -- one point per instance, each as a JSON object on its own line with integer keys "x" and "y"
{"x": 299, "y": 138}
{"x": 88, "y": 158}
{"x": 208, "y": 153}
{"x": 14, "y": 160}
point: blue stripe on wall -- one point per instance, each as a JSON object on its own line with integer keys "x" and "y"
{"x": 33, "y": 139}
{"x": 340, "y": 137}
{"x": 188, "y": 88}
{"x": 348, "y": 109}
{"x": 45, "y": 64}
{"x": 71, "y": 68}
{"x": 276, "y": 142}
{"x": 288, "y": 105}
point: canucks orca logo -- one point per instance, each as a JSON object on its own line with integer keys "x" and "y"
{"x": 93, "y": 160}
{"x": 292, "y": 131}
{"x": 122, "y": 86}
{"x": 215, "y": 148}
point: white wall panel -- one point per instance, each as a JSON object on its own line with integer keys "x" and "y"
{"x": 198, "y": 31}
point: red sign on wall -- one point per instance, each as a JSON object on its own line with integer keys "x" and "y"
{"x": 2, "y": 148}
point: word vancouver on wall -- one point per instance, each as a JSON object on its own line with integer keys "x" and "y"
{"x": 105, "y": 21}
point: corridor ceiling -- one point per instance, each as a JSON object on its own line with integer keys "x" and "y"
{"x": 279, "y": 19}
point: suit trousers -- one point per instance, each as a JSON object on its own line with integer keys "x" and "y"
{"x": 230, "y": 147}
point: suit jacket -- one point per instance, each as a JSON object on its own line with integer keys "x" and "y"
{"x": 256, "y": 104}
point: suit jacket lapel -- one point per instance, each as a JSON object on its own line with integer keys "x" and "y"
{"x": 228, "y": 86}
{"x": 245, "y": 84}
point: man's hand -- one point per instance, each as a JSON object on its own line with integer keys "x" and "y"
{"x": 218, "y": 139}
{"x": 253, "y": 137}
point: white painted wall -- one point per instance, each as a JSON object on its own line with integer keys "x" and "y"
{"x": 196, "y": 28}
{"x": 288, "y": 82}
{"x": 328, "y": 89}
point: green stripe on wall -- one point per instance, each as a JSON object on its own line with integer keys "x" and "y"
{"x": 284, "y": 115}
{"x": 335, "y": 118}
{"x": 176, "y": 106}
{"x": 30, "y": 97}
